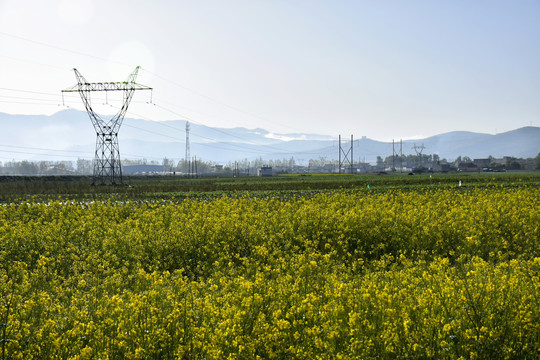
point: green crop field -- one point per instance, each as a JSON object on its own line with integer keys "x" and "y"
{"x": 148, "y": 187}
{"x": 289, "y": 267}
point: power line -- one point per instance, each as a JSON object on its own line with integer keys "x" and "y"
{"x": 33, "y": 148}
{"x": 151, "y": 132}
{"x": 61, "y": 48}
{"x": 58, "y": 155}
{"x": 28, "y": 103}
{"x": 158, "y": 122}
{"x": 34, "y": 62}
{"x": 241, "y": 146}
{"x": 30, "y": 91}
{"x": 59, "y": 101}
{"x": 237, "y": 145}
{"x": 26, "y": 98}
{"x": 213, "y": 145}
{"x": 152, "y": 73}
{"x": 211, "y": 128}
{"x": 42, "y": 154}
{"x": 218, "y": 101}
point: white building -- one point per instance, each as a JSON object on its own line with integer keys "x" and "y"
{"x": 264, "y": 171}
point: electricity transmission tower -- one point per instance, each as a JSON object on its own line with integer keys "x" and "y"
{"x": 107, "y": 167}
{"x": 188, "y": 156}
{"x": 418, "y": 150}
{"x": 346, "y": 157}
{"x": 187, "y": 140}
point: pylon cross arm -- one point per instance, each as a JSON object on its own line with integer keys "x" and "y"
{"x": 129, "y": 84}
{"x": 107, "y": 86}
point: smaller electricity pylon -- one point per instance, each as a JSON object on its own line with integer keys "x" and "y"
{"x": 347, "y": 157}
{"x": 107, "y": 167}
{"x": 418, "y": 150}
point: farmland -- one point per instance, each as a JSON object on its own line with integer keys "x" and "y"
{"x": 374, "y": 266}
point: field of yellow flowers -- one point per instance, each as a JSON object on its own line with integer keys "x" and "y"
{"x": 435, "y": 273}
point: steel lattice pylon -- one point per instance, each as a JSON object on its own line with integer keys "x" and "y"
{"x": 107, "y": 166}
{"x": 347, "y": 157}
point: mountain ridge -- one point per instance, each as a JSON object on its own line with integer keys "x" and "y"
{"x": 69, "y": 133}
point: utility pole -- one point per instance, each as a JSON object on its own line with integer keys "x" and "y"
{"x": 352, "y": 158}
{"x": 188, "y": 156}
{"x": 400, "y": 155}
{"x": 339, "y": 154}
{"x": 107, "y": 167}
{"x": 393, "y": 157}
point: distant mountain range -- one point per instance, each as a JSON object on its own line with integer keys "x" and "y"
{"x": 68, "y": 135}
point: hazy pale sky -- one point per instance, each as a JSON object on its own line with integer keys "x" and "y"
{"x": 382, "y": 69}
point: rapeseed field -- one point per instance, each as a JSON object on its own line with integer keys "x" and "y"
{"x": 446, "y": 273}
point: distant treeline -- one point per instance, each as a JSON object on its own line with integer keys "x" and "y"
{"x": 247, "y": 167}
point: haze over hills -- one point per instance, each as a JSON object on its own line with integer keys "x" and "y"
{"x": 68, "y": 135}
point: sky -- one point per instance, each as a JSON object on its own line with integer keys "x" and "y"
{"x": 385, "y": 69}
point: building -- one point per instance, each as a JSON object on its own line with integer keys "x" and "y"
{"x": 217, "y": 168}
{"x": 482, "y": 163}
{"x": 467, "y": 166}
{"x": 264, "y": 171}
{"x": 142, "y": 169}
{"x": 443, "y": 167}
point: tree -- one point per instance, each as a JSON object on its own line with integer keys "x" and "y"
{"x": 43, "y": 167}
{"x": 317, "y": 163}
{"x": 26, "y": 168}
{"x": 512, "y": 164}
{"x": 537, "y": 162}
{"x": 85, "y": 166}
{"x": 292, "y": 163}
{"x": 167, "y": 164}
{"x": 380, "y": 162}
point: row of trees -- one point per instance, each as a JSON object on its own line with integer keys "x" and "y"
{"x": 427, "y": 161}
{"x": 37, "y": 168}
{"x": 85, "y": 166}
{"x": 249, "y": 167}
{"x": 409, "y": 161}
